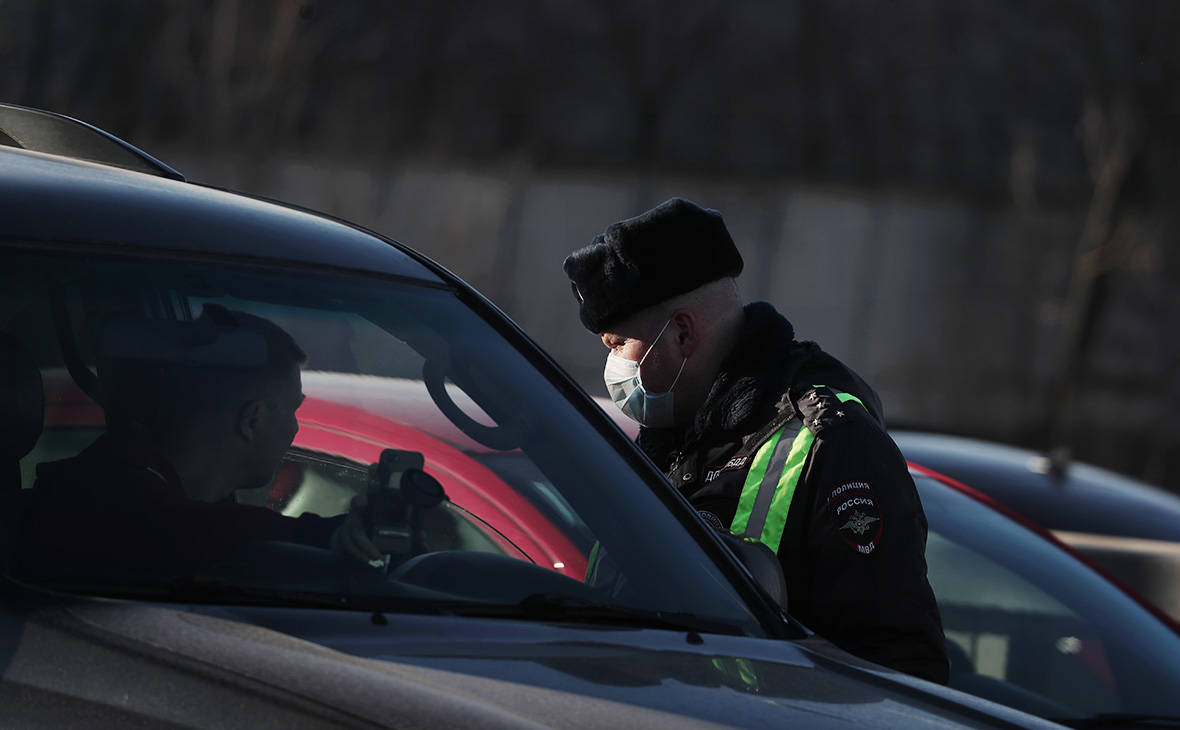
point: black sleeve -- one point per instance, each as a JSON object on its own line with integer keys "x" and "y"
{"x": 863, "y": 582}
{"x": 717, "y": 509}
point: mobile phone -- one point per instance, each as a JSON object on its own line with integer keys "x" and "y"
{"x": 389, "y": 517}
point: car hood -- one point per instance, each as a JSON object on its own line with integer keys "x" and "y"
{"x": 209, "y": 667}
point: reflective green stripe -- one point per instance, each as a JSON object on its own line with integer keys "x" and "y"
{"x": 770, "y": 486}
{"x": 776, "y": 521}
{"x": 743, "y": 669}
{"x": 773, "y": 477}
{"x": 771, "y": 482}
{"x": 842, "y": 396}
{"x": 753, "y": 480}
{"x": 747, "y": 671}
{"x": 592, "y": 561}
{"x": 767, "y": 489}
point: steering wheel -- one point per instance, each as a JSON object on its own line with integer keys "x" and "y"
{"x": 445, "y": 576}
{"x": 277, "y": 566}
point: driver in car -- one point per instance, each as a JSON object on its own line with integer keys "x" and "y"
{"x": 193, "y": 415}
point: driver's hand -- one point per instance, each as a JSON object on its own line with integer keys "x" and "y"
{"x": 350, "y": 538}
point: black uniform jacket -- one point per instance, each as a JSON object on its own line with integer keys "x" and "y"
{"x": 853, "y": 548}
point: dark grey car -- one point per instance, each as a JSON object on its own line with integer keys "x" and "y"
{"x": 489, "y": 628}
{"x": 1130, "y": 528}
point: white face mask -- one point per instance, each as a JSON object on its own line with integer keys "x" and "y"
{"x": 626, "y": 389}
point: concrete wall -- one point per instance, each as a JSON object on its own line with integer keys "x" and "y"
{"x": 951, "y": 311}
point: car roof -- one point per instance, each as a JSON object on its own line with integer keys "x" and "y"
{"x": 51, "y": 198}
{"x": 1083, "y": 498}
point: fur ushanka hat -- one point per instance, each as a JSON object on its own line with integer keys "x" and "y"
{"x": 667, "y": 251}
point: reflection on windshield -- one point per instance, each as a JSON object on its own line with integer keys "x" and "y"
{"x": 240, "y": 408}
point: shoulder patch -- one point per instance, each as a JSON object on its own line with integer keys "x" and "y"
{"x": 713, "y": 520}
{"x": 856, "y": 515}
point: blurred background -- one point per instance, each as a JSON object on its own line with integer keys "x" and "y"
{"x": 973, "y": 203}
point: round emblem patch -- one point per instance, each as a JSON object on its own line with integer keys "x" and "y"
{"x": 856, "y": 515}
{"x": 713, "y": 520}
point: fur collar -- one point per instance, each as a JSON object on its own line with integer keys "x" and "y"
{"x": 755, "y": 368}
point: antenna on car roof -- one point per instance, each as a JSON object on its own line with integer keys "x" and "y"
{"x": 42, "y": 131}
{"x": 1053, "y": 464}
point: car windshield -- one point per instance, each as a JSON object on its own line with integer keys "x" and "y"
{"x": 1029, "y": 625}
{"x": 402, "y": 377}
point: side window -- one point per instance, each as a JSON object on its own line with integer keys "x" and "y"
{"x": 1001, "y": 628}
{"x": 238, "y": 394}
{"x": 1029, "y": 625}
{"x": 335, "y": 341}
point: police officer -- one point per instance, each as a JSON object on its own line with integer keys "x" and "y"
{"x": 768, "y": 437}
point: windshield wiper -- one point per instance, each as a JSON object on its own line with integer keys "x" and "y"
{"x": 568, "y": 607}
{"x": 207, "y": 589}
{"x": 1119, "y": 719}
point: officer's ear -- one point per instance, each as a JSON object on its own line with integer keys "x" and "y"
{"x": 685, "y": 330}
